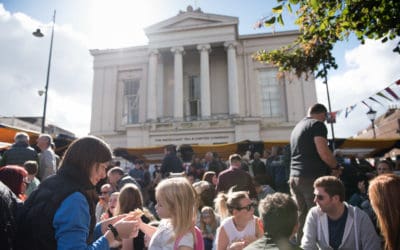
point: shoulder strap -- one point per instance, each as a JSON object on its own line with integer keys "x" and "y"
{"x": 355, "y": 227}
{"x": 199, "y": 243}
{"x": 198, "y": 240}
{"x": 176, "y": 242}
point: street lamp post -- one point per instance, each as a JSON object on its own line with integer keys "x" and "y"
{"x": 329, "y": 104}
{"x": 371, "y": 116}
{"x": 38, "y": 33}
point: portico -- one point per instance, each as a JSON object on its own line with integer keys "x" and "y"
{"x": 195, "y": 82}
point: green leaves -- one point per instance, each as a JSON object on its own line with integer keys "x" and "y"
{"x": 323, "y": 23}
{"x": 278, "y": 9}
{"x": 270, "y": 21}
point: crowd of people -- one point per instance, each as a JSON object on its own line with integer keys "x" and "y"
{"x": 301, "y": 196}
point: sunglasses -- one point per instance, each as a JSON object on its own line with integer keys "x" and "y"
{"x": 248, "y": 207}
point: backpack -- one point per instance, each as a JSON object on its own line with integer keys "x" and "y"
{"x": 8, "y": 224}
{"x": 199, "y": 243}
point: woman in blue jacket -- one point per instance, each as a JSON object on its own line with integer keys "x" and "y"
{"x": 60, "y": 214}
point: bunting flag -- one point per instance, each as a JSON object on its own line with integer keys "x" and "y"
{"x": 388, "y": 93}
{"x": 349, "y": 109}
{"x": 331, "y": 117}
{"x": 391, "y": 92}
{"x": 373, "y": 99}
{"x": 383, "y": 96}
{"x": 366, "y": 104}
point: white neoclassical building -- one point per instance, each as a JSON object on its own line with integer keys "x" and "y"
{"x": 195, "y": 83}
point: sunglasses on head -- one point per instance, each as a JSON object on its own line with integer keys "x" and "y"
{"x": 248, "y": 207}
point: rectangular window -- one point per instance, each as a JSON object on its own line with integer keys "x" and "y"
{"x": 271, "y": 94}
{"x": 194, "y": 97}
{"x": 131, "y": 100}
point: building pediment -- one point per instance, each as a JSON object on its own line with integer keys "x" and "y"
{"x": 191, "y": 20}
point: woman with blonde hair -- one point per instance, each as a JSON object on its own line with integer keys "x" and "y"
{"x": 177, "y": 208}
{"x": 384, "y": 196}
{"x": 239, "y": 226}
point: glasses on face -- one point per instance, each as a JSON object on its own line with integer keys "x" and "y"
{"x": 248, "y": 207}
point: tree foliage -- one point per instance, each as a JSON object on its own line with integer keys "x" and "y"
{"x": 322, "y": 23}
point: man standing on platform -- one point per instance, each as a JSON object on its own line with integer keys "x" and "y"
{"x": 310, "y": 159}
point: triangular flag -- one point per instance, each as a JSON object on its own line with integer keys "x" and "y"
{"x": 391, "y": 92}
{"x": 373, "y": 99}
{"x": 349, "y": 109}
{"x": 331, "y": 117}
{"x": 382, "y": 95}
{"x": 366, "y": 104}
{"x": 398, "y": 82}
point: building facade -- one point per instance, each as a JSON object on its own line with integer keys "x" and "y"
{"x": 196, "y": 82}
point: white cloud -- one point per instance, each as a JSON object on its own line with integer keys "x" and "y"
{"x": 369, "y": 68}
{"x": 23, "y": 69}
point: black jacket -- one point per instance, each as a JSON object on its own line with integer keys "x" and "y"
{"x": 9, "y": 204}
{"x": 18, "y": 154}
{"x": 171, "y": 164}
{"x": 36, "y": 217}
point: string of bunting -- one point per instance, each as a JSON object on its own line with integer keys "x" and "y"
{"x": 387, "y": 93}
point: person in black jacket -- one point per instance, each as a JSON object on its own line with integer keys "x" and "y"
{"x": 19, "y": 152}
{"x": 171, "y": 163}
{"x": 60, "y": 214}
{"x": 9, "y": 203}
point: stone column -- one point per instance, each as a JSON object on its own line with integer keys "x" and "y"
{"x": 178, "y": 84}
{"x": 233, "y": 89}
{"x": 205, "y": 80}
{"x": 151, "y": 86}
{"x": 160, "y": 88}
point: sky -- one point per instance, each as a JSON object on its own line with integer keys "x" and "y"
{"x": 82, "y": 25}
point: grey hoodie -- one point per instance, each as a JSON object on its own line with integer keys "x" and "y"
{"x": 359, "y": 232}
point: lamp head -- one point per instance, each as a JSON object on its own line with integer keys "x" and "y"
{"x": 41, "y": 92}
{"x": 371, "y": 114}
{"x": 38, "y": 33}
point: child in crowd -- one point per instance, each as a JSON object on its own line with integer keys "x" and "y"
{"x": 31, "y": 181}
{"x": 130, "y": 198}
{"x": 177, "y": 208}
{"x": 112, "y": 204}
{"x": 209, "y": 223}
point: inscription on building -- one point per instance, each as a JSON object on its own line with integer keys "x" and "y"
{"x": 194, "y": 139}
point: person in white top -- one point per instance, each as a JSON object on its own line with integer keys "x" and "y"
{"x": 241, "y": 227}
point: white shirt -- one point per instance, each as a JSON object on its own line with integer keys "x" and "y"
{"x": 161, "y": 238}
